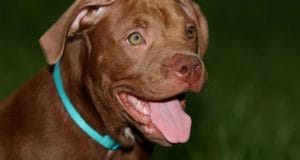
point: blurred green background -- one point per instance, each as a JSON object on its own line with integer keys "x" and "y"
{"x": 250, "y": 107}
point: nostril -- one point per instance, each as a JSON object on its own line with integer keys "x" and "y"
{"x": 184, "y": 70}
{"x": 187, "y": 68}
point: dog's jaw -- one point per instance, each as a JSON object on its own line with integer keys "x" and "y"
{"x": 150, "y": 121}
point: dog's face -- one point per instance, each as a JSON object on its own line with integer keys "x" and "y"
{"x": 144, "y": 56}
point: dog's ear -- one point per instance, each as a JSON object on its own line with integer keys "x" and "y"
{"x": 81, "y": 15}
{"x": 202, "y": 30}
{"x": 192, "y": 10}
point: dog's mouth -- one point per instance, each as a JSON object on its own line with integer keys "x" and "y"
{"x": 164, "y": 119}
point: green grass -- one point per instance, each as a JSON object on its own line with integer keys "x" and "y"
{"x": 249, "y": 109}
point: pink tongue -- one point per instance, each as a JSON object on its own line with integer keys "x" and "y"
{"x": 171, "y": 120}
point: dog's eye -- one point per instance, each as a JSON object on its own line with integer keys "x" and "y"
{"x": 191, "y": 32}
{"x": 135, "y": 39}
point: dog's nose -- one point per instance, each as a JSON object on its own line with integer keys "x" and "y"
{"x": 187, "y": 68}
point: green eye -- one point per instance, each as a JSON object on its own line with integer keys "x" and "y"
{"x": 191, "y": 32}
{"x": 135, "y": 39}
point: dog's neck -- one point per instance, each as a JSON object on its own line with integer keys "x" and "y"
{"x": 79, "y": 91}
{"x": 71, "y": 70}
{"x": 105, "y": 140}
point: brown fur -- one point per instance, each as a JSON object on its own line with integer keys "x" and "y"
{"x": 96, "y": 64}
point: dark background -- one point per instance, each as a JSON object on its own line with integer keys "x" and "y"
{"x": 250, "y": 106}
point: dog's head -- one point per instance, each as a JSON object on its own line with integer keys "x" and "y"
{"x": 142, "y": 57}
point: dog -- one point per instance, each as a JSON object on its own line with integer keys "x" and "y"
{"x": 115, "y": 83}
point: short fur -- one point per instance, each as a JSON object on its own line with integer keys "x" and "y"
{"x": 89, "y": 40}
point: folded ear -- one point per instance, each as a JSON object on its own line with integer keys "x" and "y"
{"x": 192, "y": 10}
{"x": 81, "y": 15}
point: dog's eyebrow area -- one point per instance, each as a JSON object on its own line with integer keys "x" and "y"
{"x": 142, "y": 21}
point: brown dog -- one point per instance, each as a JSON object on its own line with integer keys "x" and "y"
{"x": 125, "y": 65}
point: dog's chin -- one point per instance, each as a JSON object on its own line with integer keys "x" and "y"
{"x": 155, "y": 120}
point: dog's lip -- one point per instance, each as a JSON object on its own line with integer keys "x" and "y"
{"x": 180, "y": 96}
{"x": 142, "y": 116}
{"x": 152, "y": 97}
{"x": 139, "y": 112}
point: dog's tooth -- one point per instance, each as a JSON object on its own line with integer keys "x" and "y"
{"x": 133, "y": 100}
{"x": 145, "y": 111}
{"x": 144, "y": 108}
{"x": 136, "y": 101}
{"x": 139, "y": 106}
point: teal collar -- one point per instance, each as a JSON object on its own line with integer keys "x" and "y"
{"x": 106, "y": 141}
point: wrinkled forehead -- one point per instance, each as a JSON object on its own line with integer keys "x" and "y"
{"x": 166, "y": 11}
